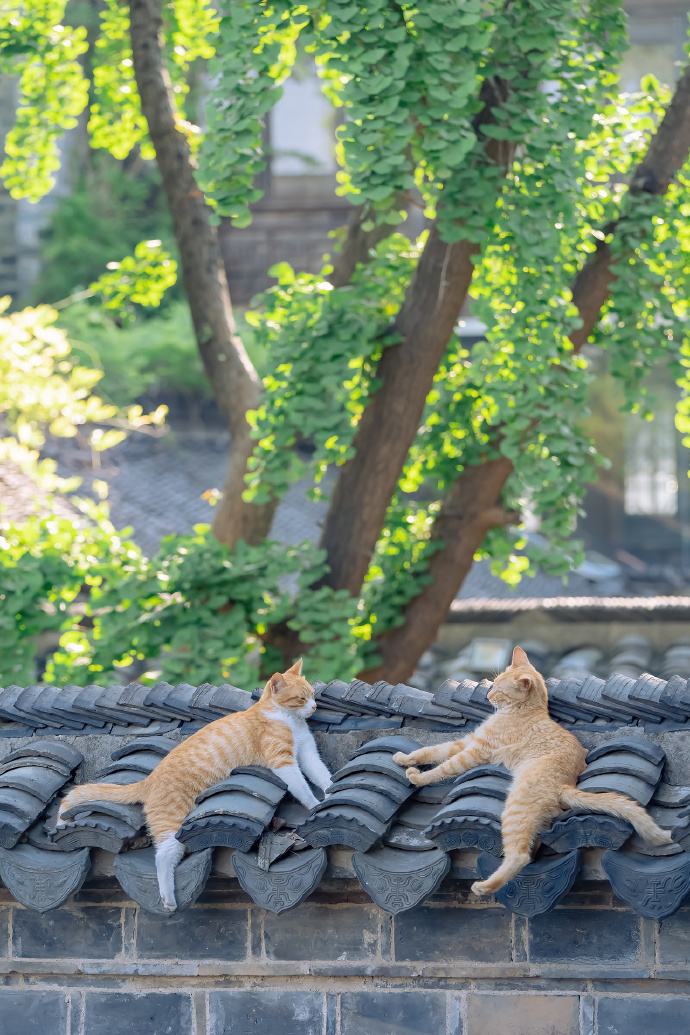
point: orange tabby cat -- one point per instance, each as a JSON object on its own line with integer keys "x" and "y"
{"x": 545, "y": 761}
{"x": 272, "y": 733}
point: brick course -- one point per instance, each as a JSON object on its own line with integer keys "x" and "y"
{"x": 337, "y": 965}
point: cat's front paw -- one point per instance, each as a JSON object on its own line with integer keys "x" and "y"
{"x": 169, "y": 904}
{"x": 414, "y": 776}
{"x": 481, "y": 887}
{"x": 401, "y": 758}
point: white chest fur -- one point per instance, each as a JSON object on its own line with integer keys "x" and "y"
{"x": 305, "y": 750}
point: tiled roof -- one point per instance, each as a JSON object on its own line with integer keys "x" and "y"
{"x": 584, "y": 701}
{"x": 591, "y": 607}
{"x": 402, "y": 837}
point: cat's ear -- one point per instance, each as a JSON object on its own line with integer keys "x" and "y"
{"x": 296, "y": 669}
{"x": 519, "y": 657}
{"x": 277, "y": 682}
{"x": 525, "y": 682}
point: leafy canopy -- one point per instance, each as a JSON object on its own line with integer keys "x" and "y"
{"x": 425, "y": 88}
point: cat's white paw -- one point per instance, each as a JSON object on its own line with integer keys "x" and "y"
{"x": 480, "y": 887}
{"x": 169, "y": 904}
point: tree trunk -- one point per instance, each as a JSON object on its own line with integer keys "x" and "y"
{"x": 472, "y": 505}
{"x": 235, "y": 383}
{"x": 470, "y": 509}
{"x": 391, "y": 419}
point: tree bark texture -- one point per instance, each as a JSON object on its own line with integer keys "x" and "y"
{"x": 235, "y": 383}
{"x": 473, "y": 503}
{"x": 390, "y": 421}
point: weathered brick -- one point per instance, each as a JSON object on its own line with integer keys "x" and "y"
{"x": 442, "y": 933}
{"x": 203, "y": 933}
{"x": 4, "y": 932}
{"x": 67, "y": 933}
{"x": 238, "y": 1012}
{"x": 674, "y": 938}
{"x": 523, "y": 1014}
{"x": 640, "y": 1016}
{"x": 393, "y": 1013}
{"x": 319, "y": 932}
{"x": 148, "y": 1013}
{"x": 32, "y": 1013}
{"x": 585, "y": 936}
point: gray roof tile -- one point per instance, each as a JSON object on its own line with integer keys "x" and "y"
{"x": 539, "y": 886}
{"x": 136, "y": 872}
{"x": 398, "y": 880}
{"x": 653, "y": 887}
{"x": 43, "y": 880}
{"x": 286, "y": 883}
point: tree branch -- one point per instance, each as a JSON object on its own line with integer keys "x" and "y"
{"x": 464, "y": 518}
{"x": 390, "y": 421}
{"x": 234, "y": 380}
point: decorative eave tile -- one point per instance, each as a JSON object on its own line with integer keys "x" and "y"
{"x": 539, "y": 886}
{"x": 574, "y": 829}
{"x": 398, "y": 880}
{"x": 653, "y": 887}
{"x": 43, "y": 880}
{"x": 286, "y": 883}
{"x": 136, "y": 872}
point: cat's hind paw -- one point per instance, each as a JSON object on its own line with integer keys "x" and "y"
{"x": 481, "y": 887}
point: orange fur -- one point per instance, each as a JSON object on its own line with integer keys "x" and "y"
{"x": 256, "y": 736}
{"x": 545, "y": 761}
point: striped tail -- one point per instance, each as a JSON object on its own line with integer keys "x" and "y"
{"x": 129, "y": 794}
{"x": 621, "y": 807}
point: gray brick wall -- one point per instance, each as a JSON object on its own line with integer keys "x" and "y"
{"x": 339, "y": 966}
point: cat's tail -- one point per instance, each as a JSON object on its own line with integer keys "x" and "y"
{"x": 127, "y": 794}
{"x": 616, "y": 805}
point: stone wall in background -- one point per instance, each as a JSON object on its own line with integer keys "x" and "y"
{"x": 337, "y": 965}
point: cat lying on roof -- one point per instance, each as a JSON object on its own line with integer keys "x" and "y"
{"x": 272, "y": 733}
{"x": 545, "y": 761}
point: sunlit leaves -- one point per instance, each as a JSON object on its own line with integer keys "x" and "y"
{"x": 52, "y": 91}
{"x": 142, "y": 278}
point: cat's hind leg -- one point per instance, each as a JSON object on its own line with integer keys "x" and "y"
{"x": 527, "y": 811}
{"x": 165, "y": 812}
{"x": 169, "y": 851}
